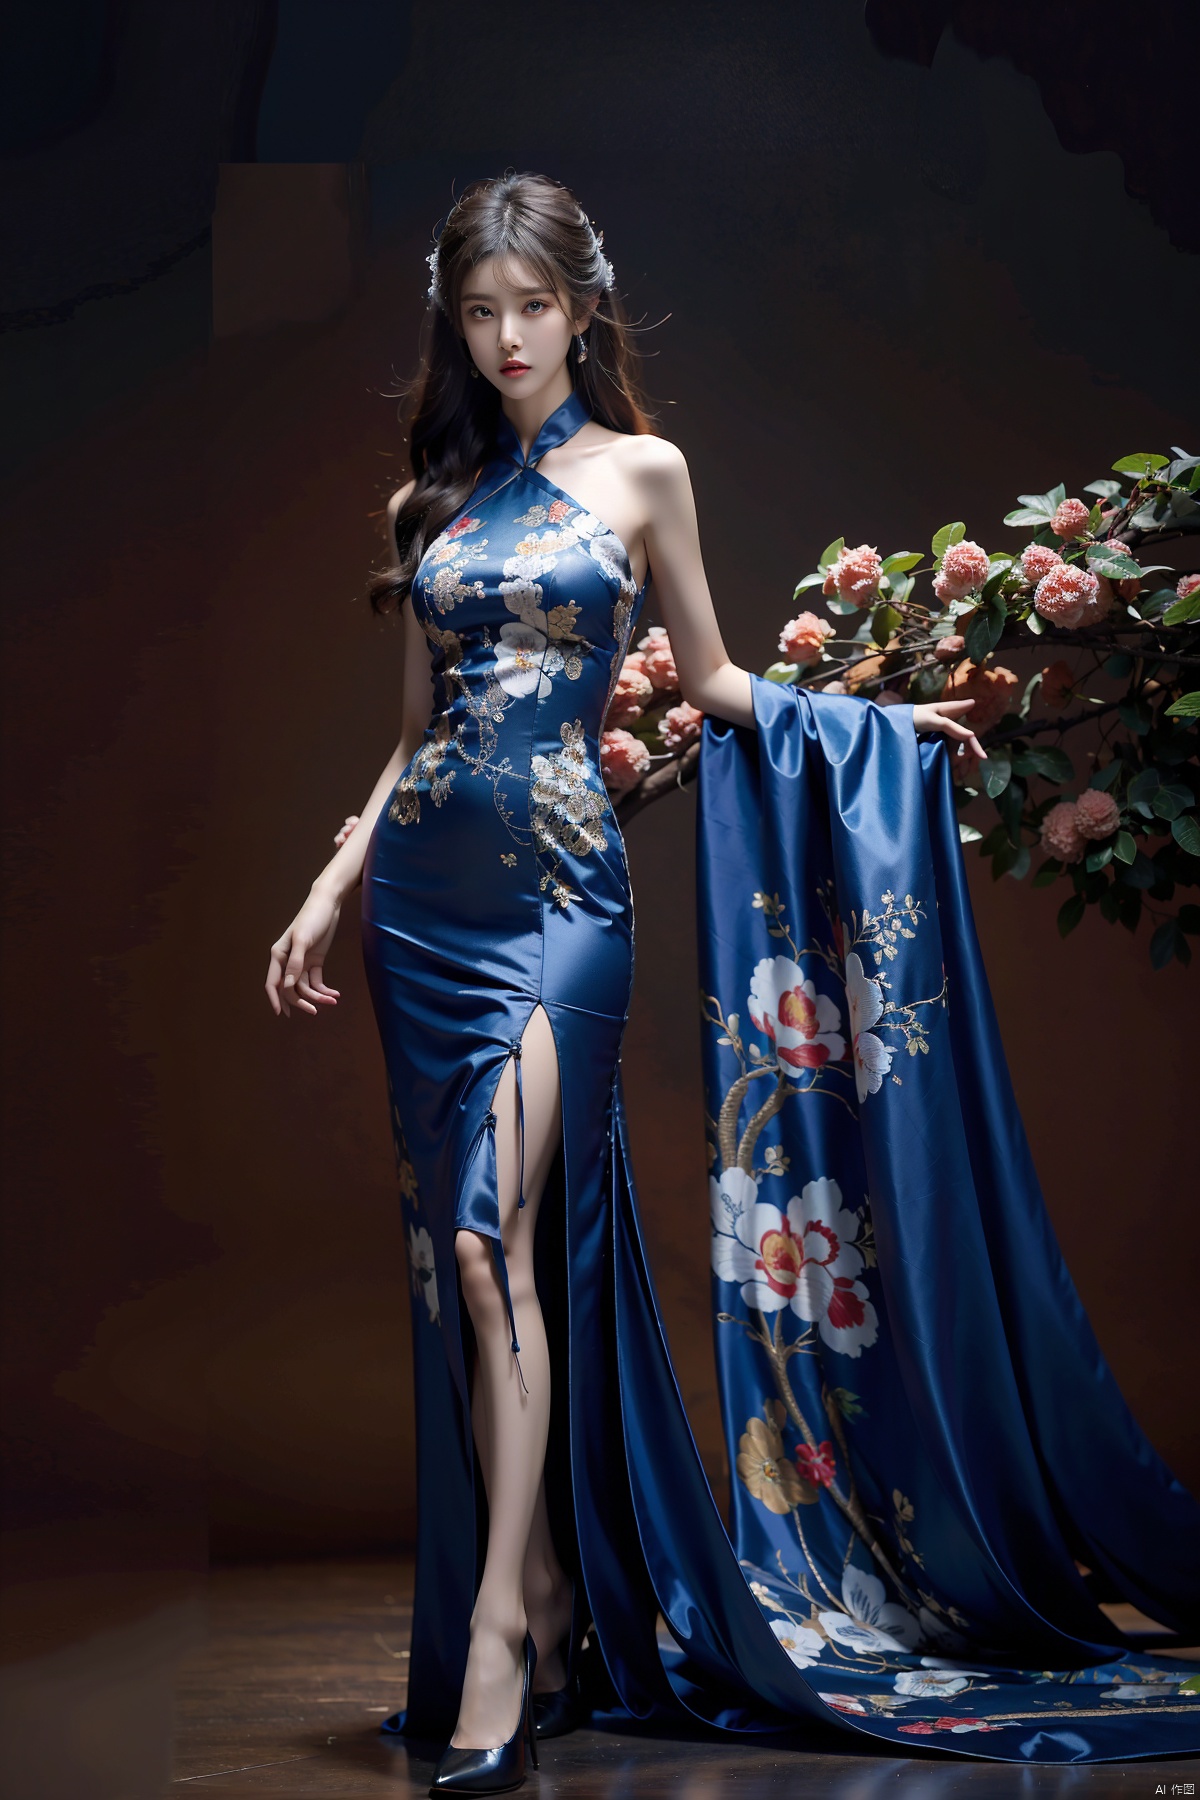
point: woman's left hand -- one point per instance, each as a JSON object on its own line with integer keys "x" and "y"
{"x": 942, "y": 715}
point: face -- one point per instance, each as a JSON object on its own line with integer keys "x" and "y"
{"x": 517, "y": 331}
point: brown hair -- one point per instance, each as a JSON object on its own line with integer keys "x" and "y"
{"x": 451, "y": 420}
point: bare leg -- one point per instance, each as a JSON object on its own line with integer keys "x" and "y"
{"x": 515, "y": 1423}
{"x": 546, "y": 1585}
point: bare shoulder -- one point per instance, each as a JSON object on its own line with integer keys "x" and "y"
{"x": 652, "y": 462}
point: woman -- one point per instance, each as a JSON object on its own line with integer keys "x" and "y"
{"x": 498, "y": 938}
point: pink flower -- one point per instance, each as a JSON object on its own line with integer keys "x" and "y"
{"x": 635, "y": 660}
{"x": 1062, "y": 594}
{"x": 1070, "y": 518}
{"x": 680, "y": 726}
{"x": 632, "y": 692}
{"x": 802, "y": 639}
{"x": 1104, "y": 599}
{"x": 659, "y": 659}
{"x": 1187, "y": 585}
{"x": 856, "y": 574}
{"x": 1058, "y": 684}
{"x": 948, "y": 649}
{"x": 624, "y": 759}
{"x": 990, "y": 686}
{"x": 817, "y": 1466}
{"x": 829, "y": 585}
{"x": 834, "y": 687}
{"x": 1060, "y": 835}
{"x": 964, "y": 567}
{"x": 1038, "y": 560}
{"x": 1097, "y": 814}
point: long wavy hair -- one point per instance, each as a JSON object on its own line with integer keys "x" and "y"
{"x": 451, "y": 419}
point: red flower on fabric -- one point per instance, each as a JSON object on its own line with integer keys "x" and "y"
{"x": 817, "y": 1466}
{"x": 463, "y": 525}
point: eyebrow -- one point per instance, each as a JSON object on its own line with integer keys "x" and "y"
{"x": 543, "y": 289}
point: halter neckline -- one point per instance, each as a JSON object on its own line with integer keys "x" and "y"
{"x": 562, "y": 424}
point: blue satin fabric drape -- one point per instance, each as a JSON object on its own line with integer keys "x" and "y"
{"x": 925, "y": 1432}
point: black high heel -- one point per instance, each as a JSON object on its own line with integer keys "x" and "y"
{"x": 562, "y": 1709}
{"x": 467, "y": 1771}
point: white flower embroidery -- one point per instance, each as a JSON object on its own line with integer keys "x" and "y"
{"x": 870, "y": 1622}
{"x": 923, "y": 1684}
{"x": 802, "y": 1024}
{"x": 802, "y": 1644}
{"x": 805, "y": 1259}
{"x": 520, "y": 657}
{"x": 864, "y": 1002}
{"x": 424, "y": 1275}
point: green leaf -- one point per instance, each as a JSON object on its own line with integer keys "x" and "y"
{"x": 1020, "y": 867}
{"x": 809, "y": 581}
{"x": 968, "y": 834}
{"x": 1118, "y": 565}
{"x": 1039, "y": 503}
{"x": 1052, "y": 764}
{"x": 1142, "y": 462}
{"x": 1186, "y": 707}
{"x": 996, "y": 773}
{"x": 1143, "y": 787}
{"x": 1135, "y": 715}
{"x": 1106, "y": 488}
{"x": 949, "y": 534}
{"x": 1141, "y": 872}
{"x": 782, "y": 672}
{"x": 1053, "y": 499}
{"x": 885, "y": 620}
{"x": 901, "y": 561}
{"x": 1182, "y": 610}
{"x": 1070, "y": 913}
{"x": 901, "y": 586}
{"x": 1104, "y": 778}
{"x": 1098, "y": 859}
{"x": 995, "y": 580}
{"x": 1172, "y": 800}
{"x": 830, "y": 553}
{"x": 1124, "y": 849}
{"x": 1186, "y": 832}
{"x": 985, "y": 629}
{"x": 1036, "y": 623}
{"x": 1024, "y": 515}
{"x": 1048, "y": 873}
{"x": 1149, "y": 606}
{"x": 1168, "y": 943}
{"x": 836, "y": 604}
{"x": 1118, "y": 665}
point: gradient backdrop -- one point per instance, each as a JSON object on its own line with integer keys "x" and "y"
{"x": 878, "y": 296}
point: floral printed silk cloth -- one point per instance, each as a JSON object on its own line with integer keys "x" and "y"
{"x": 924, "y": 1436}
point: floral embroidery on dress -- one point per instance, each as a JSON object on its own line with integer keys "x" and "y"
{"x": 426, "y": 765}
{"x": 450, "y": 557}
{"x": 565, "y": 808}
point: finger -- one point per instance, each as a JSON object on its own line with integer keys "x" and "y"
{"x": 316, "y": 977}
{"x": 305, "y": 988}
{"x": 295, "y": 964}
{"x": 951, "y": 706}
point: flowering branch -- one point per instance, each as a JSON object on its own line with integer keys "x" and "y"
{"x": 1124, "y": 832}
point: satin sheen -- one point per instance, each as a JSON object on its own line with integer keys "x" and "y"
{"x": 496, "y": 881}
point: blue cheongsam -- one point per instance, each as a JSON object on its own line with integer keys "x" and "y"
{"x": 925, "y": 1440}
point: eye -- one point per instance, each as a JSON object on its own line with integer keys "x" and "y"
{"x": 540, "y": 305}
{"x": 479, "y": 311}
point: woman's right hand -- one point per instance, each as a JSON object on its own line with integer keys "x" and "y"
{"x": 296, "y": 977}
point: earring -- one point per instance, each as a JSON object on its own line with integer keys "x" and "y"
{"x": 473, "y": 372}
{"x": 581, "y": 353}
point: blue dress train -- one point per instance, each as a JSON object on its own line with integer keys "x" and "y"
{"x": 926, "y": 1437}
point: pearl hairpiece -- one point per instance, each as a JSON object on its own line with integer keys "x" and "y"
{"x": 434, "y": 291}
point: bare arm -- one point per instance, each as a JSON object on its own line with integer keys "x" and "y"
{"x": 296, "y": 973}
{"x": 707, "y": 677}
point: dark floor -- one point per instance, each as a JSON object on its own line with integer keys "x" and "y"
{"x": 303, "y": 1661}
